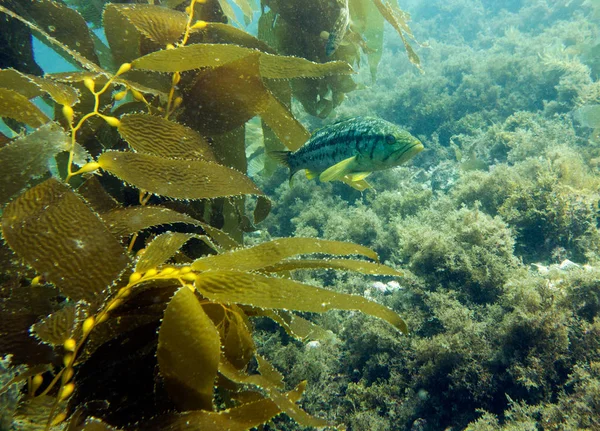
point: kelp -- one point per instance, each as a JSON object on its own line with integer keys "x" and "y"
{"x": 176, "y": 178}
{"x": 18, "y": 107}
{"x": 47, "y": 223}
{"x": 27, "y": 158}
{"x": 72, "y": 31}
{"x": 200, "y": 318}
{"x": 244, "y": 417}
{"x": 285, "y": 27}
{"x": 59, "y": 326}
{"x": 123, "y": 210}
{"x": 164, "y": 246}
{"x": 32, "y": 86}
{"x": 155, "y": 135}
{"x": 266, "y": 292}
{"x": 181, "y": 357}
{"x": 399, "y": 20}
{"x": 274, "y": 252}
{"x": 127, "y": 221}
{"x": 212, "y": 55}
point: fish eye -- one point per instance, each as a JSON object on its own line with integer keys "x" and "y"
{"x": 390, "y": 139}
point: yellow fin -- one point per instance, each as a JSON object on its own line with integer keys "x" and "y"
{"x": 311, "y": 174}
{"x": 339, "y": 170}
{"x": 360, "y": 185}
{"x": 359, "y": 176}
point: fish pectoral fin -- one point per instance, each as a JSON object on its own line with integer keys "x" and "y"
{"x": 339, "y": 170}
{"x": 360, "y": 185}
{"x": 359, "y": 176}
{"x": 311, "y": 175}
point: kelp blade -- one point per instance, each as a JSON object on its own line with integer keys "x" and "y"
{"x": 362, "y": 266}
{"x": 164, "y": 247}
{"x": 65, "y": 24}
{"x": 154, "y": 135}
{"x": 273, "y": 252}
{"x": 130, "y": 220}
{"x": 18, "y": 107}
{"x": 240, "y": 418}
{"x": 369, "y": 22}
{"x": 224, "y": 98}
{"x": 267, "y": 292}
{"x": 285, "y": 403}
{"x": 397, "y": 18}
{"x": 179, "y": 179}
{"x": 281, "y": 121}
{"x": 160, "y": 24}
{"x": 28, "y": 157}
{"x": 33, "y": 86}
{"x": 201, "y": 55}
{"x": 188, "y": 352}
{"x": 58, "y": 326}
{"x": 56, "y": 233}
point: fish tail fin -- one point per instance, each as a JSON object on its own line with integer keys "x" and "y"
{"x": 283, "y": 157}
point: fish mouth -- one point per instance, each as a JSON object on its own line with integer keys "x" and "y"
{"x": 408, "y": 152}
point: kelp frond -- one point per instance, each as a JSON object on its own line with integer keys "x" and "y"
{"x": 126, "y": 211}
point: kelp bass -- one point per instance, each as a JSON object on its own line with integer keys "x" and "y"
{"x": 351, "y": 149}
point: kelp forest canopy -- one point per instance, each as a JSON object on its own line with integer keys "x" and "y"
{"x": 126, "y": 294}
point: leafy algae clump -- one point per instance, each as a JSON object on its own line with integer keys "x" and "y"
{"x": 131, "y": 297}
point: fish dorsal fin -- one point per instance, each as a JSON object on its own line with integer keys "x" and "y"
{"x": 359, "y": 176}
{"x": 339, "y": 170}
{"x": 311, "y": 175}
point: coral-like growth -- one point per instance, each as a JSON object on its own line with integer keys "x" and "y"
{"x": 464, "y": 250}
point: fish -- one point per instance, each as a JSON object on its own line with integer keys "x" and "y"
{"x": 350, "y": 150}
{"x": 340, "y": 27}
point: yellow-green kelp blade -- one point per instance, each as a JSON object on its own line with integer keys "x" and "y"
{"x": 64, "y": 23}
{"x": 56, "y": 233}
{"x": 398, "y": 19}
{"x": 164, "y": 247}
{"x": 158, "y": 136}
{"x": 130, "y": 220}
{"x": 240, "y": 418}
{"x": 33, "y": 86}
{"x": 216, "y": 32}
{"x": 160, "y": 24}
{"x": 273, "y": 252}
{"x": 58, "y": 326}
{"x": 18, "y": 107}
{"x": 188, "y": 352}
{"x": 179, "y": 179}
{"x": 272, "y": 66}
{"x": 27, "y": 157}
{"x": 268, "y": 292}
{"x": 296, "y": 326}
{"x": 222, "y": 99}
{"x": 286, "y": 404}
{"x": 362, "y": 266}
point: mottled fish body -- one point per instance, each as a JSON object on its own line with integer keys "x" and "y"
{"x": 336, "y": 35}
{"x": 351, "y": 149}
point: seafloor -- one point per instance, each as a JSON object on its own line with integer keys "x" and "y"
{"x": 495, "y": 225}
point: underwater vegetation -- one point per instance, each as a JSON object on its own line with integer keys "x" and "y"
{"x": 127, "y": 296}
{"x": 495, "y": 224}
